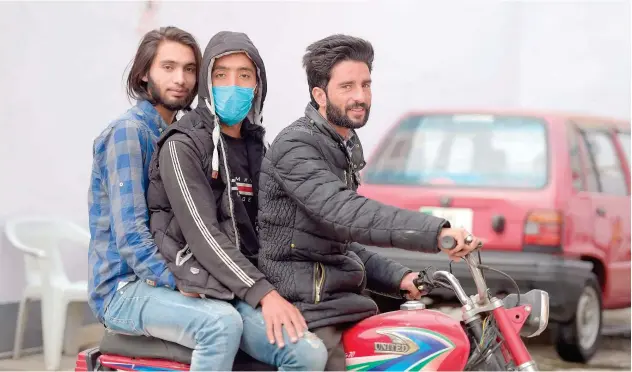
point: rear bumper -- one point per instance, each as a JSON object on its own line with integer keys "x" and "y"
{"x": 562, "y": 278}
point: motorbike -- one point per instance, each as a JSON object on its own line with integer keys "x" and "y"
{"x": 488, "y": 337}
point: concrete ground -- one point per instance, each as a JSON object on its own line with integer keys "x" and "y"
{"x": 90, "y": 336}
{"x": 613, "y": 355}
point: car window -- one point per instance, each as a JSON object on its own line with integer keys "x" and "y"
{"x": 574, "y": 154}
{"x": 395, "y": 152}
{"x": 465, "y": 151}
{"x": 606, "y": 161}
{"x": 624, "y": 140}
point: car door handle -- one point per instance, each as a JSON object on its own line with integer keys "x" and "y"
{"x": 601, "y": 212}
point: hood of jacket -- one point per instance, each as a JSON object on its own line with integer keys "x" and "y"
{"x": 223, "y": 43}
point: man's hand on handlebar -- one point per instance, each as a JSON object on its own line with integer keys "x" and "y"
{"x": 465, "y": 243}
{"x": 409, "y": 287}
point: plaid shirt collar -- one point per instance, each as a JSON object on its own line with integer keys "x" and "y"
{"x": 154, "y": 121}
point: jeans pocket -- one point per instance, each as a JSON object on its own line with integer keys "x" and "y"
{"x": 117, "y": 314}
{"x": 118, "y": 297}
{"x": 122, "y": 326}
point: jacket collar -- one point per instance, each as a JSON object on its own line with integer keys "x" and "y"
{"x": 151, "y": 117}
{"x": 351, "y": 147}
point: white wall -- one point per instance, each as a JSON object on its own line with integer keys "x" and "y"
{"x": 62, "y": 71}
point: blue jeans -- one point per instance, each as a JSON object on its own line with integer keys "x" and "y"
{"x": 307, "y": 354}
{"x": 212, "y": 328}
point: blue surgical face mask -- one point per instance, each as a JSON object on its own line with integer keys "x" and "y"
{"x": 232, "y": 103}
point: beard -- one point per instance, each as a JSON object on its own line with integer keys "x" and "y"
{"x": 169, "y": 104}
{"x": 341, "y": 119}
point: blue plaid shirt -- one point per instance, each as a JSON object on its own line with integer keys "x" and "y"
{"x": 121, "y": 246}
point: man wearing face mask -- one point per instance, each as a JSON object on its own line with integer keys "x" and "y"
{"x": 203, "y": 202}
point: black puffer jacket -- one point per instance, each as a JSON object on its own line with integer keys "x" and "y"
{"x": 199, "y": 222}
{"x": 312, "y": 224}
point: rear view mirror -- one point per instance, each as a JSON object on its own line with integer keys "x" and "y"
{"x": 538, "y": 319}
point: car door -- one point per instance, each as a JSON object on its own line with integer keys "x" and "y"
{"x": 611, "y": 208}
{"x": 623, "y": 145}
{"x": 579, "y": 213}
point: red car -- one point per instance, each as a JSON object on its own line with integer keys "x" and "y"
{"x": 548, "y": 193}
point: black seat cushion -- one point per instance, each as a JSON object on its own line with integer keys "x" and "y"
{"x": 154, "y": 348}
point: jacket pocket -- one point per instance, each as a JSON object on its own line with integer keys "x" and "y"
{"x": 319, "y": 281}
{"x": 313, "y": 248}
{"x": 363, "y": 278}
{"x": 188, "y": 273}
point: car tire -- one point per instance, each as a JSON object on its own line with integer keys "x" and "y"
{"x": 578, "y": 340}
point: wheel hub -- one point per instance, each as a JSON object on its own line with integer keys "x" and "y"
{"x": 588, "y": 318}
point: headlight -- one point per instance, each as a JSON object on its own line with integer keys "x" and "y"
{"x": 538, "y": 318}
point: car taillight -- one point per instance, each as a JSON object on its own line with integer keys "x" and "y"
{"x": 543, "y": 227}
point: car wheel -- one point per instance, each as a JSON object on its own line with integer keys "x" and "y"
{"x": 578, "y": 340}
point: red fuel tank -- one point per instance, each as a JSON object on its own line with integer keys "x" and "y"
{"x": 407, "y": 340}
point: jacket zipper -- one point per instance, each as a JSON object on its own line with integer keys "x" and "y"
{"x": 230, "y": 191}
{"x": 319, "y": 280}
{"x": 349, "y": 175}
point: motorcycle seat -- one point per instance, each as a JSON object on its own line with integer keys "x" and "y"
{"x": 155, "y": 348}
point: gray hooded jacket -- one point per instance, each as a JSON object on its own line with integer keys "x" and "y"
{"x": 198, "y": 221}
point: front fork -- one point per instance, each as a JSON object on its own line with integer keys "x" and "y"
{"x": 509, "y": 323}
{"x": 494, "y": 361}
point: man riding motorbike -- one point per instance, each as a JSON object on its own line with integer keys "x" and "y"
{"x": 203, "y": 202}
{"x": 131, "y": 289}
{"x": 312, "y": 222}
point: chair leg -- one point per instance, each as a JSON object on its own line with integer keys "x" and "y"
{"x": 74, "y": 321}
{"x": 19, "y": 328}
{"x": 53, "y": 325}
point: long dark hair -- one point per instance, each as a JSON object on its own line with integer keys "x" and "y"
{"x": 147, "y": 50}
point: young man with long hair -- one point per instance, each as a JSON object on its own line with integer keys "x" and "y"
{"x": 132, "y": 291}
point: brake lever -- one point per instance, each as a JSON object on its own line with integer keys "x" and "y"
{"x": 420, "y": 282}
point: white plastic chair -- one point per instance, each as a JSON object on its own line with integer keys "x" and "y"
{"x": 40, "y": 239}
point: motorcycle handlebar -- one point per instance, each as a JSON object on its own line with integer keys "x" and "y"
{"x": 448, "y": 242}
{"x": 443, "y": 277}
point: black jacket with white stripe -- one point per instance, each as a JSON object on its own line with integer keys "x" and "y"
{"x": 197, "y": 218}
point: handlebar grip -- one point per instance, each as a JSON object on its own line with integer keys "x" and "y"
{"x": 448, "y": 242}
